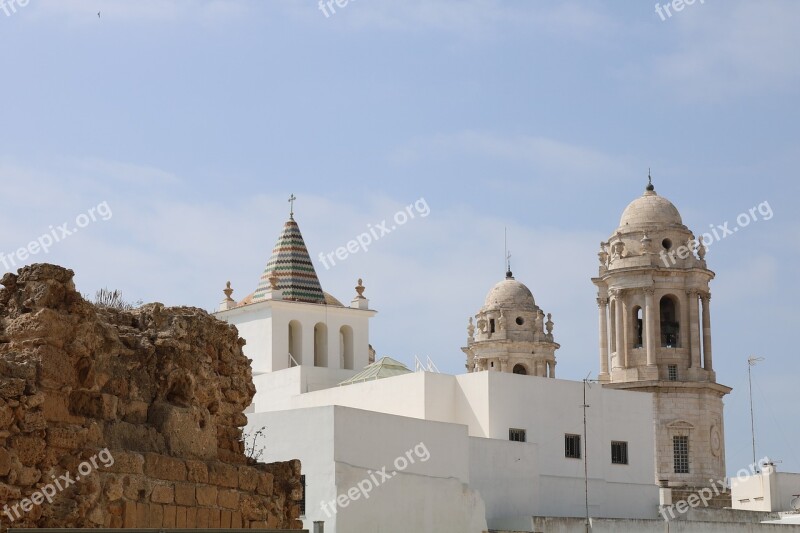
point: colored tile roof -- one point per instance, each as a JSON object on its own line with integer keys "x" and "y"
{"x": 292, "y": 265}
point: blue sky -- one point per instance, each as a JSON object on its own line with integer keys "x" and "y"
{"x": 194, "y": 120}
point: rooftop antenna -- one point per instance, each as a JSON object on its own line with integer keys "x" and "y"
{"x": 509, "y": 275}
{"x": 292, "y": 198}
{"x": 751, "y": 362}
{"x": 586, "y": 382}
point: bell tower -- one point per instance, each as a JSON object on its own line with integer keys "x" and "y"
{"x": 653, "y": 298}
{"x": 512, "y": 334}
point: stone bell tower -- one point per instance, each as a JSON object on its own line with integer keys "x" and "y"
{"x": 653, "y": 298}
{"x": 512, "y": 334}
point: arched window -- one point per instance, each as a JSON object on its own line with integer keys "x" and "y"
{"x": 295, "y": 343}
{"x": 321, "y": 345}
{"x": 670, "y": 326}
{"x": 346, "y": 347}
{"x": 638, "y": 325}
{"x": 520, "y": 369}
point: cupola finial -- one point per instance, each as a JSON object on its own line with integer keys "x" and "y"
{"x": 650, "y": 186}
{"x": 292, "y": 198}
{"x": 509, "y": 274}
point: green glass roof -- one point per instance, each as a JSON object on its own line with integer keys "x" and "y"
{"x": 385, "y": 367}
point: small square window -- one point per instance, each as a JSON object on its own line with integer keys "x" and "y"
{"x": 672, "y": 372}
{"x": 572, "y": 446}
{"x": 516, "y": 435}
{"x": 619, "y": 452}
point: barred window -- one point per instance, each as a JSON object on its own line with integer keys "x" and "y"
{"x": 516, "y": 435}
{"x": 680, "y": 451}
{"x": 672, "y": 372}
{"x": 619, "y": 452}
{"x": 572, "y": 446}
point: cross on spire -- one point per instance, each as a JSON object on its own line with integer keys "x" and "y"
{"x": 508, "y": 254}
{"x": 292, "y": 198}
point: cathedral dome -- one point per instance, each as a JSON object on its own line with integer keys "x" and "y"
{"x": 510, "y": 294}
{"x": 650, "y": 209}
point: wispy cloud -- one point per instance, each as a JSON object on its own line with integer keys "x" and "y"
{"x": 732, "y": 49}
{"x": 548, "y": 156}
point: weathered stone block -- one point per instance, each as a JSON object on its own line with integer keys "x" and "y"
{"x": 223, "y": 475}
{"x": 169, "y": 516}
{"x": 127, "y": 463}
{"x": 206, "y": 495}
{"x": 188, "y": 431}
{"x": 163, "y": 467}
{"x": 185, "y": 494}
{"x": 93, "y": 404}
{"x": 163, "y": 494}
{"x": 197, "y": 471}
{"x": 228, "y": 499}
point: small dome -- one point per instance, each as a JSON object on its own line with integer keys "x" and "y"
{"x": 650, "y": 209}
{"x": 510, "y": 294}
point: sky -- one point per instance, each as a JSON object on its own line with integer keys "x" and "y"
{"x": 170, "y": 134}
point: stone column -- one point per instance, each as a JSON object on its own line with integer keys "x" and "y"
{"x": 552, "y": 366}
{"x": 650, "y": 326}
{"x": 626, "y": 326}
{"x": 602, "y": 305}
{"x": 620, "y": 329}
{"x": 694, "y": 327}
{"x": 503, "y": 364}
{"x": 707, "y": 360}
{"x": 612, "y": 323}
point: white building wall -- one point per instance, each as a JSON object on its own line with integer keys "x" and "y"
{"x": 487, "y": 404}
{"x": 265, "y": 327}
{"x": 341, "y": 449}
{"x": 765, "y": 491}
{"x": 506, "y": 474}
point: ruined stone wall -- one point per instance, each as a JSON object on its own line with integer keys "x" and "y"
{"x": 158, "y": 391}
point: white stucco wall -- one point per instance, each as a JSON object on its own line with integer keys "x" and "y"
{"x": 341, "y": 448}
{"x": 487, "y": 404}
{"x": 265, "y": 327}
{"x": 765, "y": 491}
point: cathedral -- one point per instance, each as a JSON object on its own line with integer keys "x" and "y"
{"x": 507, "y": 443}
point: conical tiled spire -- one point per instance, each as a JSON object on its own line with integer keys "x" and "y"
{"x": 292, "y": 265}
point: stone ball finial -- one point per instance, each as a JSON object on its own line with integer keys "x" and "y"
{"x": 360, "y": 289}
{"x": 228, "y": 291}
